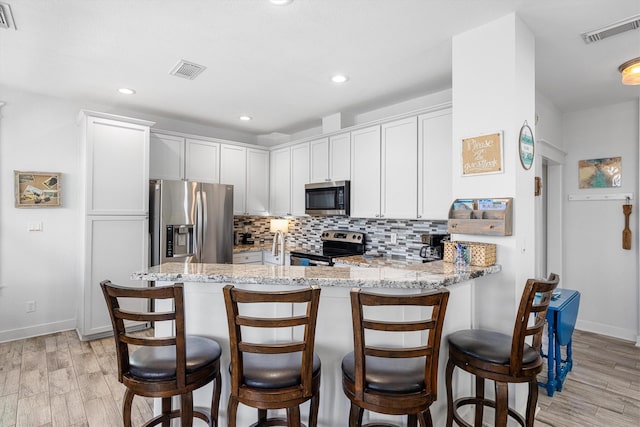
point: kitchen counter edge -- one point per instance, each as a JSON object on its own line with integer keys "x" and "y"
{"x": 424, "y": 276}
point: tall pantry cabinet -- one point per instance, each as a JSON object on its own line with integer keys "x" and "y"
{"x": 115, "y": 171}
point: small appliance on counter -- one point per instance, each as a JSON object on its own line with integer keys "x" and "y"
{"x": 433, "y": 250}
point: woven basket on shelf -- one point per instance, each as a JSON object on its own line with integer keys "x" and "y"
{"x": 482, "y": 254}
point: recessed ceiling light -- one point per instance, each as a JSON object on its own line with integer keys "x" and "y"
{"x": 245, "y": 118}
{"x": 339, "y": 78}
{"x": 281, "y": 2}
{"x": 126, "y": 91}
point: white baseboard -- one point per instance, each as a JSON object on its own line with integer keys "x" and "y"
{"x": 611, "y": 331}
{"x": 37, "y": 330}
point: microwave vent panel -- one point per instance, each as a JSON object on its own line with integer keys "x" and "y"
{"x": 631, "y": 23}
{"x": 187, "y": 70}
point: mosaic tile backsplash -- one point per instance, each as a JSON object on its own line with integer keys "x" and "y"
{"x": 304, "y": 232}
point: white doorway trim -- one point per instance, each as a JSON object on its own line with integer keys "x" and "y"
{"x": 549, "y": 224}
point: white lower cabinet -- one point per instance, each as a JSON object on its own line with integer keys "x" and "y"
{"x": 249, "y": 257}
{"x": 116, "y": 246}
{"x": 268, "y": 258}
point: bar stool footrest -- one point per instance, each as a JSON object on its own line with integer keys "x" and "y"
{"x": 273, "y": 422}
{"x": 484, "y": 402}
{"x": 201, "y": 413}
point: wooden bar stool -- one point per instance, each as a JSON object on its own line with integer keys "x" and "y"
{"x": 163, "y": 367}
{"x": 273, "y": 375}
{"x": 502, "y": 358}
{"x": 390, "y": 379}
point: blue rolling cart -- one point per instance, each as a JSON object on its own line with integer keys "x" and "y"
{"x": 561, "y": 320}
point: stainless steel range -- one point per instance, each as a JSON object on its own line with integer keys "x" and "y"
{"x": 335, "y": 244}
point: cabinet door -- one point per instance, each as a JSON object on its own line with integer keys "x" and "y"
{"x": 399, "y": 196}
{"x": 319, "y": 151}
{"x": 280, "y": 183}
{"x": 257, "y": 182}
{"x": 166, "y": 157}
{"x": 233, "y": 171}
{"x": 434, "y": 182}
{"x": 116, "y": 247}
{"x": 340, "y": 157}
{"x": 299, "y": 177}
{"x": 202, "y": 161}
{"x": 117, "y": 166}
{"x": 365, "y": 172}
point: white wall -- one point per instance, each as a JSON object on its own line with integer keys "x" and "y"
{"x": 38, "y": 134}
{"x": 595, "y": 263}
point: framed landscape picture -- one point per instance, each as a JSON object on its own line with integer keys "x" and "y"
{"x": 37, "y": 189}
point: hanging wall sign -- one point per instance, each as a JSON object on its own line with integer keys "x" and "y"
{"x": 526, "y": 146}
{"x": 482, "y": 154}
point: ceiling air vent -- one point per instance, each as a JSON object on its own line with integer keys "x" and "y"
{"x": 631, "y": 23}
{"x": 187, "y": 70}
{"x": 6, "y": 18}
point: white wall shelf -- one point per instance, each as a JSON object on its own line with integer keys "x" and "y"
{"x": 600, "y": 197}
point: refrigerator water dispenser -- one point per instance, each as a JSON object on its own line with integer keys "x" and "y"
{"x": 180, "y": 241}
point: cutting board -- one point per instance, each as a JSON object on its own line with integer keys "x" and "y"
{"x": 626, "y": 233}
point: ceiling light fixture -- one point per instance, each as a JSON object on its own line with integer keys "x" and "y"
{"x": 245, "y": 118}
{"x": 630, "y": 72}
{"x": 281, "y": 2}
{"x": 339, "y": 78}
{"x": 126, "y": 91}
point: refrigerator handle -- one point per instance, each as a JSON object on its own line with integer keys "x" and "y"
{"x": 203, "y": 223}
{"x": 198, "y": 231}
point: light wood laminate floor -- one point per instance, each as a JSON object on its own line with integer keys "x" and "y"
{"x": 58, "y": 381}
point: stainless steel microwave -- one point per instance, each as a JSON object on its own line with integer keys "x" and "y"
{"x": 327, "y": 198}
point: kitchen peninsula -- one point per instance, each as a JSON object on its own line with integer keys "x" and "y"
{"x": 205, "y": 313}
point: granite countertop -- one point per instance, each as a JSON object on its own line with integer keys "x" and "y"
{"x": 422, "y": 276}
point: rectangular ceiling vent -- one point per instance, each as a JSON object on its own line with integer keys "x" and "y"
{"x": 6, "y": 18}
{"x": 187, "y": 70}
{"x": 631, "y": 23}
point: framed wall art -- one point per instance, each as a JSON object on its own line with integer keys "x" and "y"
{"x": 37, "y": 189}
{"x": 482, "y": 154}
{"x": 600, "y": 173}
{"x": 526, "y": 147}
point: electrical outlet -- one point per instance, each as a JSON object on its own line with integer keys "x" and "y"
{"x": 30, "y": 306}
{"x": 394, "y": 238}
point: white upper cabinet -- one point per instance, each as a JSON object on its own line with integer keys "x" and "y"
{"x": 399, "y": 169}
{"x": 319, "y": 150}
{"x": 166, "y": 156}
{"x": 365, "y": 172}
{"x": 257, "y": 182}
{"x": 202, "y": 162}
{"x": 178, "y": 157}
{"x": 233, "y": 171}
{"x": 117, "y": 166}
{"x": 434, "y": 167}
{"x": 384, "y": 170}
{"x": 247, "y": 169}
{"x": 340, "y": 157}
{"x": 280, "y": 200}
{"x": 299, "y": 177}
{"x": 289, "y": 174}
{"x": 331, "y": 158}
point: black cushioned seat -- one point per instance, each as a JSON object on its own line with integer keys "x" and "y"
{"x": 401, "y": 376}
{"x": 275, "y": 371}
{"x": 489, "y": 346}
{"x": 159, "y": 363}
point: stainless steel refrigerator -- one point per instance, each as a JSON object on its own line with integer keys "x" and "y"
{"x": 190, "y": 222}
